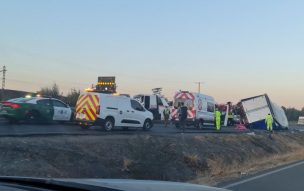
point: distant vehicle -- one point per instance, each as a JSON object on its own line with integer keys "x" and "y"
{"x": 255, "y": 109}
{"x": 301, "y": 120}
{"x": 154, "y": 103}
{"x": 35, "y": 109}
{"x": 201, "y": 108}
{"x": 111, "y": 111}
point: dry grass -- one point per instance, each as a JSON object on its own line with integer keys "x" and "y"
{"x": 192, "y": 160}
{"x": 126, "y": 165}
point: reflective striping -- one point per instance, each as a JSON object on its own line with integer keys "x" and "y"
{"x": 184, "y": 96}
{"x": 96, "y": 99}
{"x": 92, "y": 102}
{"x": 86, "y": 101}
{"x": 80, "y": 100}
{"x": 87, "y": 105}
{"x": 89, "y": 115}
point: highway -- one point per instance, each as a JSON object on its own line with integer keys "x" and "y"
{"x": 281, "y": 179}
{"x": 7, "y": 129}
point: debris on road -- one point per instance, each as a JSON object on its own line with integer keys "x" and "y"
{"x": 251, "y": 133}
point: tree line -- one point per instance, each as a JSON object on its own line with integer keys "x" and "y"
{"x": 293, "y": 114}
{"x": 54, "y": 92}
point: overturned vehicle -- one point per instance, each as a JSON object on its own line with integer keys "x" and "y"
{"x": 254, "y": 110}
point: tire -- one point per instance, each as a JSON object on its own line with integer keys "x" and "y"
{"x": 200, "y": 124}
{"x": 109, "y": 124}
{"x": 32, "y": 117}
{"x": 147, "y": 125}
{"x": 84, "y": 126}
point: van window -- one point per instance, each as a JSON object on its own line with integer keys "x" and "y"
{"x": 135, "y": 105}
{"x": 210, "y": 107}
{"x": 159, "y": 102}
{"x": 147, "y": 102}
{"x": 187, "y": 102}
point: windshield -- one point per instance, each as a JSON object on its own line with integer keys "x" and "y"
{"x": 195, "y": 92}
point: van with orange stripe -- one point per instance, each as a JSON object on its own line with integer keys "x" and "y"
{"x": 109, "y": 111}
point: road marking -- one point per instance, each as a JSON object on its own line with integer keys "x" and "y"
{"x": 263, "y": 175}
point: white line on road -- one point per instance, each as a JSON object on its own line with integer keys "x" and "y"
{"x": 263, "y": 175}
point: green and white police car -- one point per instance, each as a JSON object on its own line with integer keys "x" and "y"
{"x": 35, "y": 109}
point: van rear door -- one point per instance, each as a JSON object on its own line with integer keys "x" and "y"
{"x": 87, "y": 107}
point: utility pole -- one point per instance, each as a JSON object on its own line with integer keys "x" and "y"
{"x": 199, "y": 86}
{"x": 3, "y": 81}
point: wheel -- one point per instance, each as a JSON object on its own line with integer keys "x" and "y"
{"x": 201, "y": 124}
{"x": 147, "y": 125}
{"x": 32, "y": 117}
{"x": 84, "y": 126}
{"x": 109, "y": 124}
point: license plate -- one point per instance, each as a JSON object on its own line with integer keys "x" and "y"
{"x": 80, "y": 116}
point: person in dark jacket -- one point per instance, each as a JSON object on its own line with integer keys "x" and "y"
{"x": 183, "y": 114}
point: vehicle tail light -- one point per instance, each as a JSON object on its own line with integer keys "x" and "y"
{"x": 98, "y": 110}
{"x": 11, "y": 105}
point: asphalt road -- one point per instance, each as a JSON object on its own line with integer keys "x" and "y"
{"x": 7, "y": 129}
{"x": 281, "y": 179}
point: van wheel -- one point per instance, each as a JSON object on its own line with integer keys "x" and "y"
{"x": 109, "y": 124}
{"x": 84, "y": 126}
{"x": 201, "y": 124}
{"x": 147, "y": 125}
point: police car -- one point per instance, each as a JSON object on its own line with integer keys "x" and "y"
{"x": 35, "y": 109}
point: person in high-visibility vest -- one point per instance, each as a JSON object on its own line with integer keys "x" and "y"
{"x": 269, "y": 122}
{"x": 230, "y": 118}
{"x": 166, "y": 113}
{"x": 218, "y": 120}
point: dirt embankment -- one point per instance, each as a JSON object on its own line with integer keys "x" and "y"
{"x": 205, "y": 159}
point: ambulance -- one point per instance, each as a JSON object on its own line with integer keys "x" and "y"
{"x": 201, "y": 108}
{"x": 110, "y": 111}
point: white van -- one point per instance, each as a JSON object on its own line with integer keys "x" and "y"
{"x": 201, "y": 108}
{"x": 111, "y": 111}
{"x": 154, "y": 103}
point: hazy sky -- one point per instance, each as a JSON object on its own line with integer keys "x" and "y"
{"x": 238, "y": 48}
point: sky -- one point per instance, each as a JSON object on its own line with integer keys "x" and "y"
{"x": 237, "y": 48}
